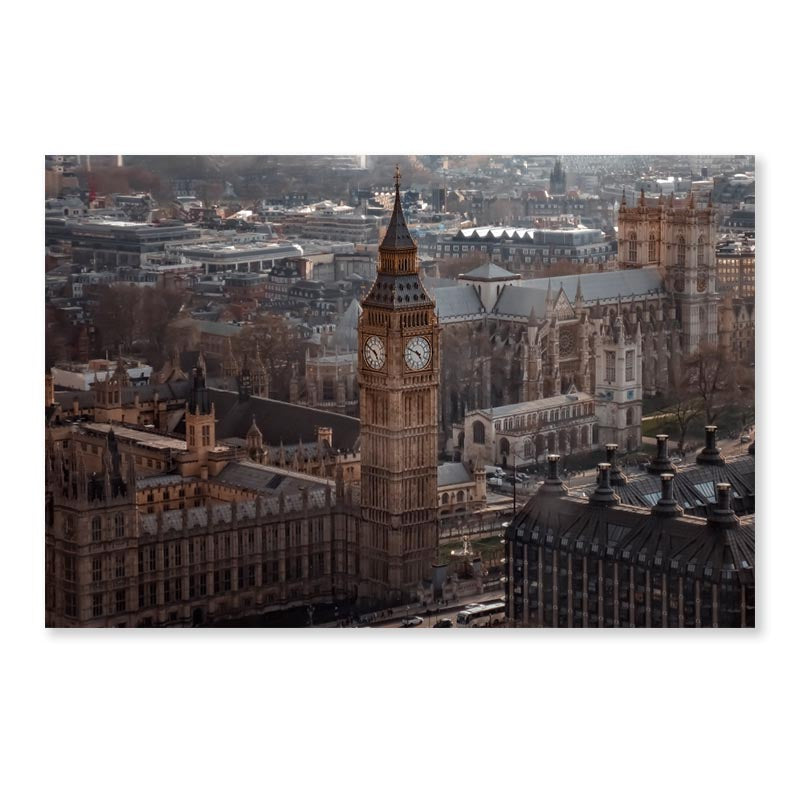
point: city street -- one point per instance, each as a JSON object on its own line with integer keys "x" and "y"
{"x": 450, "y": 610}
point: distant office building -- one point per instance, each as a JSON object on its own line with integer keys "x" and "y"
{"x": 736, "y": 265}
{"x": 115, "y": 243}
{"x": 248, "y": 257}
{"x": 510, "y": 246}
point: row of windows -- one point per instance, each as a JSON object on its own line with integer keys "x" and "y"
{"x": 172, "y": 554}
{"x": 118, "y": 522}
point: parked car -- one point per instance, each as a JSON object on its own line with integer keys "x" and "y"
{"x": 446, "y": 622}
{"x": 744, "y": 439}
{"x": 411, "y": 622}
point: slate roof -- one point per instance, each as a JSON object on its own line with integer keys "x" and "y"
{"x": 602, "y": 285}
{"x": 397, "y": 235}
{"x": 517, "y": 301}
{"x": 345, "y": 336}
{"x": 457, "y": 302}
{"x": 489, "y": 272}
{"x": 279, "y": 421}
{"x": 693, "y": 486}
{"x": 398, "y": 291}
{"x": 684, "y": 545}
{"x": 266, "y": 480}
{"x": 452, "y": 473}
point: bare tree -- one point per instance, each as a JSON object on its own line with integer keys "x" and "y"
{"x": 684, "y": 407}
{"x": 710, "y": 375}
{"x": 279, "y": 345}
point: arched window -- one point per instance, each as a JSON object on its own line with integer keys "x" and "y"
{"x": 478, "y": 432}
{"x": 504, "y": 447}
{"x": 681, "y": 251}
{"x": 445, "y": 499}
{"x": 632, "y": 247}
{"x": 629, "y": 417}
{"x": 701, "y": 251}
{"x": 651, "y": 248}
{"x": 119, "y": 525}
{"x": 460, "y": 497}
{"x": 528, "y": 448}
{"x": 97, "y": 529}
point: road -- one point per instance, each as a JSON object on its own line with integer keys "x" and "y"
{"x": 449, "y": 611}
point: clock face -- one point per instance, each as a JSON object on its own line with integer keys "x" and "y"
{"x": 374, "y": 352}
{"x": 418, "y": 352}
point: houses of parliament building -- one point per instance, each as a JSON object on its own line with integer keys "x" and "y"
{"x": 161, "y": 509}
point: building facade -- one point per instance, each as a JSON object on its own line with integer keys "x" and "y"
{"x": 399, "y": 387}
{"x": 599, "y": 563}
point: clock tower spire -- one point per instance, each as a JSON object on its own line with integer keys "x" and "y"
{"x": 398, "y": 369}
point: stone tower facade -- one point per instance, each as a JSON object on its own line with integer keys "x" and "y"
{"x": 398, "y": 368}
{"x": 618, "y": 383}
{"x": 679, "y": 238}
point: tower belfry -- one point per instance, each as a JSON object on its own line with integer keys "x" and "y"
{"x": 398, "y": 368}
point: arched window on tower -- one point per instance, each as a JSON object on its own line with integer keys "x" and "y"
{"x": 629, "y": 417}
{"x": 701, "y": 251}
{"x": 632, "y": 247}
{"x": 478, "y": 432}
{"x": 681, "y": 251}
{"x": 651, "y": 248}
{"x": 97, "y": 529}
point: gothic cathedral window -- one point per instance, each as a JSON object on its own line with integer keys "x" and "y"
{"x": 681, "y": 252}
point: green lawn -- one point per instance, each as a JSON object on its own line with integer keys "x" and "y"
{"x": 728, "y": 421}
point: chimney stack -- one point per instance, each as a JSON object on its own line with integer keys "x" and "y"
{"x": 618, "y": 477}
{"x": 710, "y": 453}
{"x": 553, "y": 484}
{"x": 661, "y": 463}
{"x": 667, "y": 506}
{"x": 721, "y": 514}
{"x": 604, "y": 495}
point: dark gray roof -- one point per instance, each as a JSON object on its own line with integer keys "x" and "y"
{"x": 265, "y": 480}
{"x": 452, "y": 473}
{"x": 693, "y": 486}
{"x": 490, "y": 272}
{"x": 517, "y": 301}
{"x": 682, "y": 544}
{"x": 279, "y": 421}
{"x": 457, "y": 301}
{"x": 397, "y": 234}
{"x": 603, "y": 285}
{"x": 398, "y": 291}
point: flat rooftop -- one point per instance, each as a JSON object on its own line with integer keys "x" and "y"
{"x": 156, "y": 441}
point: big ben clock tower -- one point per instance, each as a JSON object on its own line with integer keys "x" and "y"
{"x": 398, "y": 373}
